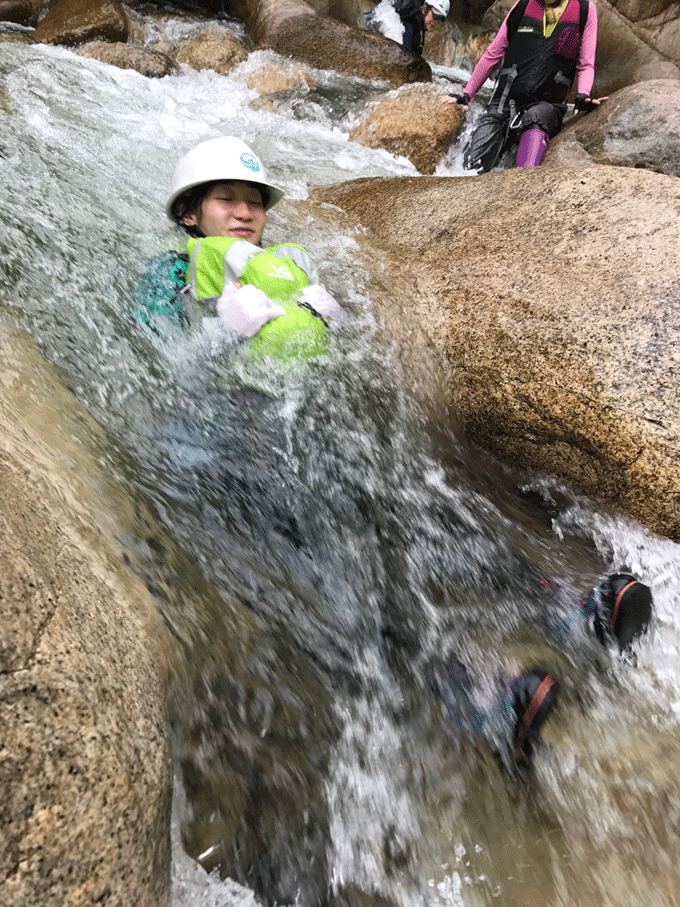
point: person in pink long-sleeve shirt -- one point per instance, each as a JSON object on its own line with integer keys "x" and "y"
{"x": 544, "y": 46}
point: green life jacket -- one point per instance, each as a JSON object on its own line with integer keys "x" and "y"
{"x": 280, "y": 271}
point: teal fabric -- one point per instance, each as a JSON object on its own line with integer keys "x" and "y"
{"x": 158, "y": 295}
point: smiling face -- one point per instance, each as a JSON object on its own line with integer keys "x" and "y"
{"x": 234, "y": 209}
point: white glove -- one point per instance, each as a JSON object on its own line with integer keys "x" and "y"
{"x": 318, "y": 297}
{"x": 246, "y": 309}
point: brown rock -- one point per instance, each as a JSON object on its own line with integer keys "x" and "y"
{"x": 638, "y": 127}
{"x": 561, "y": 322}
{"x": 275, "y": 75}
{"x": 411, "y": 122}
{"x": 212, "y": 50}
{"x": 641, "y": 10}
{"x": 263, "y": 15}
{"x": 19, "y": 11}
{"x": 294, "y": 30}
{"x": 85, "y": 776}
{"x": 11, "y": 38}
{"x": 150, "y": 63}
{"x": 73, "y": 22}
{"x": 651, "y": 71}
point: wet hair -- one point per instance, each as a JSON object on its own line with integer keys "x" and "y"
{"x": 190, "y": 200}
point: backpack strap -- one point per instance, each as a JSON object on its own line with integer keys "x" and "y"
{"x": 583, "y": 15}
{"x": 517, "y": 14}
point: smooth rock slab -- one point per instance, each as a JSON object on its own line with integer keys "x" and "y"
{"x": 85, "y": 775}
{"x": 555, "y": 302}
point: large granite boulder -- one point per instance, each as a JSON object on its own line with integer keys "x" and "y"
{"x": 556, "y": 305}
{"x": 74, "y": 22}
{"x": 638, "y": 127}
{"x": 85, "y": 775}
{"x": 295, "y": 29}
{"x": 411, "y": 122}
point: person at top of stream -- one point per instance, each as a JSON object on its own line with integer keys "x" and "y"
{"x": 416, "y": 19}
{"x": 543, "y": 45}
{"x": 225, "y": 279}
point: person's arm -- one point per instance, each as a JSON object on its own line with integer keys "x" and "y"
{"x": 585, "y": 65}
{"x": 487, "y": 62}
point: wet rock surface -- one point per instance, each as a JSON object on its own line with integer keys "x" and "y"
{"x": 411, "y": 122}
{"x": 146, "y": 61}
{"x": 73, "y": 22}
{"x": 212, "y": 51}
{"x": 326, "y": 44}
{"x": 556, "y": 306}
{"x": 85, "y": 779}
{"x": 638, "y": 127}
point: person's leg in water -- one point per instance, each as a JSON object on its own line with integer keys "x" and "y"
{"x": 618, "y": 609}
{"x": 533, "y": 144}
{"x": 508, "y": 710}
{"x": 488, "y": 139}
{"x": 537, "y": 125}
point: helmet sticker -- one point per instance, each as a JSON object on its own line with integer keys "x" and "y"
{"x": 250, "y": 161}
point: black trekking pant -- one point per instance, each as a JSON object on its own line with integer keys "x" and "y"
{"x": 497, "y": 128}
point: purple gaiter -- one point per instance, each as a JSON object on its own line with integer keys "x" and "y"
{"x": 533, "y": 145}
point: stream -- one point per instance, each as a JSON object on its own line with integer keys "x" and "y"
{"x": 318, "y": 549}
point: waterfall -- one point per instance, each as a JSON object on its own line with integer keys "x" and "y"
{"x": 329, "y": 548}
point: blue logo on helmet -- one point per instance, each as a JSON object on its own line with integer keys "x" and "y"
{"x": 250, "y": 161}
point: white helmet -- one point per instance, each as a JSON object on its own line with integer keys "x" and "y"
{"x": 439, "y": 7}
{"x": 222, "y": 159}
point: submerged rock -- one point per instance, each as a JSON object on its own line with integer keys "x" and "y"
{"x": 272, "y": 76}
{"x": 556, "y": 305}
{"x": 147, "y": 62}
{"x": 638, "y": 127}
{"x": 212, "y": 50}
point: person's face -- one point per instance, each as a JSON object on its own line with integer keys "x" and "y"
{"x": 234, "y": 209}
{"x": 430, "y": 20}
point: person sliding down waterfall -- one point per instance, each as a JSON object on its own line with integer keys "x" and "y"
{"x": 226, "y": 280}
{"x": 544, "y": 45}
{"x": 416, "y": 19}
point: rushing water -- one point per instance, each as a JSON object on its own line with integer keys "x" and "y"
{"x": 317, "y": 553}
